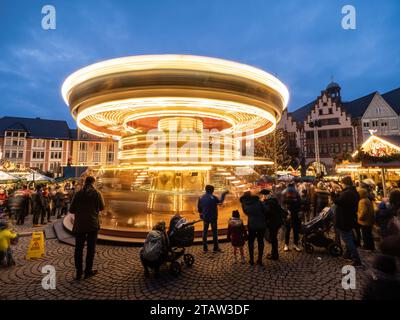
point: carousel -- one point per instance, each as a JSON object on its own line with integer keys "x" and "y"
{"x": 182, "y": 122}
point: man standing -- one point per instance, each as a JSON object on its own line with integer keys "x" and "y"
{"x": 38, "y": 207}
{"x": 275, "y": 215}
{"x": 292, "y": 202}
{"x": 86, "y": 205}
{"x": 208, "y": 209}
{"x": 346, "y": 218}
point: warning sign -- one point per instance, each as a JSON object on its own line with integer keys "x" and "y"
{"x": 36, "y": 246}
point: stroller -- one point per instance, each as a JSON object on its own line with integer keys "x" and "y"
{"x": 315, "y": 234}
{"x": 181, "y": 236}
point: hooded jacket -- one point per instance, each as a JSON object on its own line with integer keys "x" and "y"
{"x": 365, "y": 211}
{"x": 346, "y": 208}
{"x": 86, "y": 205}
{"x": 256, "y": 212}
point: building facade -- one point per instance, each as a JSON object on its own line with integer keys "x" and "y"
{"x": 328, "y": 130}
{"x": 48, "y": 145}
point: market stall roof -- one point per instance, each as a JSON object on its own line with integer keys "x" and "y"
{"x": 4, "y": 176}
{"x": 36, "y": 176}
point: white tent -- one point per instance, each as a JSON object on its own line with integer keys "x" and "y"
{"x": 36, "y": 176}
{"x": 4, "y": 176}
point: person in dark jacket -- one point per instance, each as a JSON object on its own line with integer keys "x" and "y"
{"x": 86, "y": 205}
{"x": 388, "y": 211}
{"x": 382, "y": 282}
{"x": 237, "y": 234}
{"x": 38, "y": 207}
{"x": 275, "y": 216}
{"x": 346, "y": 218}
{"x": 256, "y": 225}
{"x": 292, "y": 201}
{"x": 208, "y": 209}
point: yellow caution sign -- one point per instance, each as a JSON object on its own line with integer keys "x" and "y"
{"x": 36, "y": 246}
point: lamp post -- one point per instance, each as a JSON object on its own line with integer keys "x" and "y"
{"x": 316, "y": 124}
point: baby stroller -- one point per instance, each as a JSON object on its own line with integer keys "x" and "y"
{"x": 315, "y": 234}
{"x": 181, "y": 236}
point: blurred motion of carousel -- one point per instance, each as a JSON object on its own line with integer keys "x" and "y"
{"x": 182, "y": 122}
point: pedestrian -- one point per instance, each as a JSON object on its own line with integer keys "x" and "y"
{"x": 38, "y": 207}
{"x": 346, "y": 218}
{"x": 382, "y": 283}
{"x": 155, "y": 249}
{"x": 208, "y": 209}
{"x": 366, "y": 219}
{"x": 256, "y": 225}
{"x": 292, "y": 202}
{"x": 387, "y": 211}
{"x": 237, "y": 235}
{"x": 59, "y": 202}
{"x": 47, "y": 203}
{"x": 6, "y": 237}
{"x": 275, "y": 218}
{"x": 86, "y": 205}
{"x": 321, "y": 198}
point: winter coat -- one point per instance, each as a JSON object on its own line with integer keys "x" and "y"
{"x": 208, "y": 206}
{"x": 365, "y": 213}
{"x": 237, "y": 233}
{"x": 346, "y": 209}
{"x": 291, "y": 199}
{"x": 256, "y": 212}
{"x": 275, "y": 213}
{"x": 86, "y": 205}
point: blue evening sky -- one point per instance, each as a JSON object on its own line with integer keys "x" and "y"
{"x": 301, "y": 42}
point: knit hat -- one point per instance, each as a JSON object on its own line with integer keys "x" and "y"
{"x": 235, "y": 214}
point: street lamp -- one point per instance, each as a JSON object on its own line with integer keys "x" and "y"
{"x": 316, "y": 124}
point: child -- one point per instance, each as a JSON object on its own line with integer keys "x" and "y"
{"x": 6, "y": 236}
{"x": 237, "y": 234}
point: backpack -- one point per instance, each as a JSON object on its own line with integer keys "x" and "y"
{"x": 153, "y": 246}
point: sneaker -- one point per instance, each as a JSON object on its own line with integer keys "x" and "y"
{"x": 90, "y": 274}
{"x": 297, "y": 248}
{"x": 286, "y": 248}
{"x": 243, "y": 260}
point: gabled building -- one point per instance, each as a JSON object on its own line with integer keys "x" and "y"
{"x": 341, "y": 126}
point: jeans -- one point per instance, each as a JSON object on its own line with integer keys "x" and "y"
{"x": 214, "y": 228}
{"x": 367, "y": 237}
{"x": 351, "y": 249}
{"x": 293, "y": 223}
{"x": 80, "y": 239}
{"x": 58, "y": 212}
{"x": 253, "y": 235}
{"x": 39, "y": 213}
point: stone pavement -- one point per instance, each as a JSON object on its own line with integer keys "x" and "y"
{"x": 213, "y": 276}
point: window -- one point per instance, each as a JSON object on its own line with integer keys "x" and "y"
{"x": 366, "y": 124}
{"x": 323, "y": 149}
{"x": 330, "y": 111}
{"x": 347, "y": 147}
{"x": 14, "y": 154}
{"x": 110, "y": 153}
{"x": 323, "y": 134}
{"x": 320, "y": 112}
{"x": 22, "y": 134}
{"x": 38, "y": 154}
{"x": 56, "y": 144}
{"x": 37, "y": 143}
{"x": 333, "y": 121}
{"x": 310, "y": 150}
{"x": 55, "y": 155}
{"x": 375, "y": 123}
{"x": 55, "y": 167}
{"x": 7, "y": 154}
{"x": 82, "y": 146}
{"x": 8, "y": 134}
{"x": 334, "y": 148}
{"x": 348, "y": 132}
{"x": 15, "y": 134}
{"x": 309, "y": 134}
{"x": 334, "y": 133}
{"x": 97, "y": 152}
{"x": 20, "y": 154}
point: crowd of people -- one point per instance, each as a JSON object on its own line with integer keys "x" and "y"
{"x": 358, "y": 220}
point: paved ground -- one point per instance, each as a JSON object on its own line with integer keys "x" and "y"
{"x": 213, "y": 276}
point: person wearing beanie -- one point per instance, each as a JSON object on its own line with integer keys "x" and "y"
{"x": 237, "y": 235}
{"x": 86, "y": 205}
{"x": 346, "y": 218}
